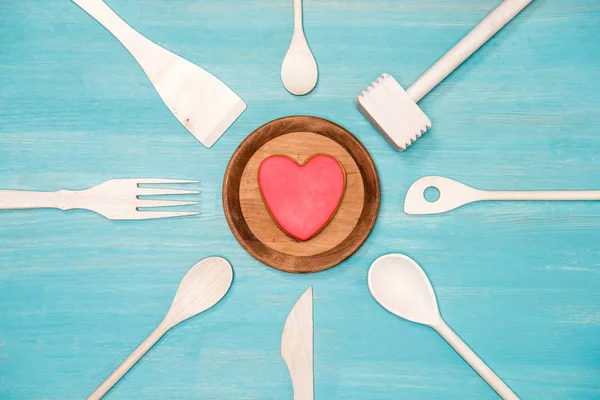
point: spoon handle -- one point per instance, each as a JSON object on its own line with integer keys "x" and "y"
{"x": 298, "y": 15}
{"x": 126, "y": 365}
{"x": 562, "y": 195}
{"x": 475, "y": 362}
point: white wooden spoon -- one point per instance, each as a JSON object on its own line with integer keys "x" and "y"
{"x": 299, "y": 72}
{"x": 401, "y": 287}
{"x": 201, "y": 288}
{"x": 453, "y": 194}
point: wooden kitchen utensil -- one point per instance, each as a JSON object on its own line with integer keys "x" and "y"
{"x": 401, "y": 287}
{"x": 300, "y": 138}
{"x": 297, "y": 346}
{"x": 201, "y": 288}
{"x": 116, "y": 199}
{"x": 203, "y": 104}
{"x": 395, "y": 113}
{"x": 453, "y": 194}
{"x": 299, "y": 72}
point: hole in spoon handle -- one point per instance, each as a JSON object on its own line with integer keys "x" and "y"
{"x": 431, "y": 194}
{"x": 475, "y": 362}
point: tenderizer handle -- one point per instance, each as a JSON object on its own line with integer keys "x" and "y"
{"x": 475, "y": 362}
{"x": 466, "y": 47}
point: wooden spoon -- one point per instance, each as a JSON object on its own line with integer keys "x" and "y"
{"x": 201, "y": 288}
{"x": 453, "y": 194}
{"x": 399, "y": 284}
{"x": 299, "y": 72}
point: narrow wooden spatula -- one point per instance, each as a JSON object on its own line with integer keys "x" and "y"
{"x": 203, "y": 104}
{"x": 201, "y": 288}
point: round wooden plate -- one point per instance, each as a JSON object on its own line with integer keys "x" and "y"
{"x": 300, "y": 138}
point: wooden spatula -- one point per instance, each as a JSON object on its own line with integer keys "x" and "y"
{"x": 203, "y": 104}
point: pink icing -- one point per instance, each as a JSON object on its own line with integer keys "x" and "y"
{"x": 301, "y": 198}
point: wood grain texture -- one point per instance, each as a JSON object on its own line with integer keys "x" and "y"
{"x": 520, "y": 282}
{"x": 301, "y": 138}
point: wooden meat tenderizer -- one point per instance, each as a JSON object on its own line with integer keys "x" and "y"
{"x": 395, "y": 113}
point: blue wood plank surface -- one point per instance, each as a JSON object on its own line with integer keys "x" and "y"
{"x": 519, "y": 282}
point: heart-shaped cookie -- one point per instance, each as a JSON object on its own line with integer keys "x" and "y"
{"x": 302, "y": 199}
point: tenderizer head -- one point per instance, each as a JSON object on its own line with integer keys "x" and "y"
{"x": 393, "y": 112}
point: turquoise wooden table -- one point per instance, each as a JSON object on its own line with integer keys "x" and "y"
{"x": 519, "y": 282}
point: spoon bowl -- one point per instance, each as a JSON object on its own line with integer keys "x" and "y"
{"x": 453, "y": 194}
{"x": 203, "y": 286}
{"x": 399, "y": 284}
{"x": 299, "y": 72}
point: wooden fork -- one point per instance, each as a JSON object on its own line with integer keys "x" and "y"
{"x": 116, "y": 199}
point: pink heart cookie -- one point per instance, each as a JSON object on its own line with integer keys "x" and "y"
{"x": 302, "y": 199}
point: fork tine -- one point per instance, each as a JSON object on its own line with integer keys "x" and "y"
{"x": 156, "y": 215}
{"x": 159, "y": 181}
{"x": 162, "y": 192}
{"x": 164, "y": 203}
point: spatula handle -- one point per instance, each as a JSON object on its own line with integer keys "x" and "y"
{"x": 133, "y": 41}
{"x": 126, "y": 365}
{"x": 475, "y": 362}
{"x": 466, "y": 47}
{"x": 559, "y": 195}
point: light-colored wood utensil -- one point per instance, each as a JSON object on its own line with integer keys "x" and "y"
{"x": 453, "y": 194}
{"x": 203, "y": 104}
{"x": 201, "y": 288}
{"x": 299, "y": 72}
{"x": 297, "y": 346}
{"x": 395, "y": 113}
{"x": 299, "y": 138}
{"x": 116, "y": 199}
{"x": 399, "y": 284}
